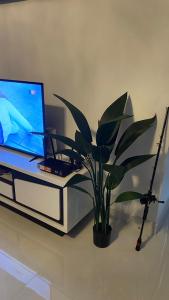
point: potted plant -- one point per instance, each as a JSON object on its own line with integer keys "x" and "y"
{"x": 95, "y": 157}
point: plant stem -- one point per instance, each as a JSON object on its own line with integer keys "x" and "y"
{"x": 94, "y": 184}
{"x": 108, "y": 197}
{"x": 101, "y": 195}
{"x": 115, "y": 160}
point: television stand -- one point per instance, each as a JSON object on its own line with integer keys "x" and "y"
{"x": 40, "y": 196}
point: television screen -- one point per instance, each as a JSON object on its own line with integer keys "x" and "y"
{"x": 21, "y": 112}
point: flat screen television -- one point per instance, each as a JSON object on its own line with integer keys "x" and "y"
{"x": 21, "y": 112}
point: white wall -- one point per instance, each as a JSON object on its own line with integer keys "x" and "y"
{"x": 92, "y": 51}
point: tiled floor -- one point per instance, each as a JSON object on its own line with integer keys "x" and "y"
{"x": 37, "y": 264}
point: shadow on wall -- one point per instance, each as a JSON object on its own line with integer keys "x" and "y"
{"x": 55, "y": 123}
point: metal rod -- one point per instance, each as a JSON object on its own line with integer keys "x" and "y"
{"x": 149, "y": 197}
{"x": 139, "y": 241}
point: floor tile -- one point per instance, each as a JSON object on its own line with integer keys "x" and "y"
{"x": 37, "y": 264}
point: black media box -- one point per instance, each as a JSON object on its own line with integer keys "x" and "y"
{"x": 58, "y": 167}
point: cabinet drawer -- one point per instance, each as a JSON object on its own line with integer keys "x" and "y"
{"x": 41, "y": 198}
{"x": 6, "y": 189}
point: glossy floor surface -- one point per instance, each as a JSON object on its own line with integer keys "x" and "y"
{"x": 37, "y": 264}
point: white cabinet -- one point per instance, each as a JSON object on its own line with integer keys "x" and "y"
{"x": 40, "y": 196}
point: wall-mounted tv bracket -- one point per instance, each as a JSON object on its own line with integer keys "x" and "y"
{"x": 148, "y": 198}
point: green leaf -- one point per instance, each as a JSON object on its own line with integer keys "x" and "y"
{"x": 132, "y": 133}
{"x": 127, "y": 196}
{"x": 112, "y": 141}
{"x": 81, "y": 190}
{"x": 114, "y": 110}
{"x": 77, "y": 179}
{"x": 134, "y": 161}
{"x": 116, "y": 174}
{"x": 84, "y": 147}
{"x": 101, "y": 153}
{"x": 107, "y": 131}
{"x": 79, "y": 119}
{"x": 70, "y": 153}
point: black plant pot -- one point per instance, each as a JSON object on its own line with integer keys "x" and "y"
{"x": 100, "y": 238}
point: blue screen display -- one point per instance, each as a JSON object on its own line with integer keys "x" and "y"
{"x": 21, "y": 112}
